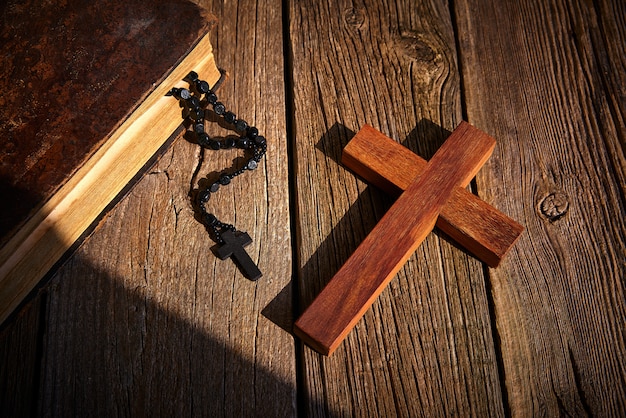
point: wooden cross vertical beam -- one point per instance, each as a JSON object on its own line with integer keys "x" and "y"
{"x": 366, "y": 273}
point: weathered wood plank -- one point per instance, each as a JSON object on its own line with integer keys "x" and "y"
{"x": 547, "y": 79}
{"x": 19, "y": 351}
{"x": 144, "y": 318}
{"x": 425, "y": 347}
{"x": 128, "y": 329}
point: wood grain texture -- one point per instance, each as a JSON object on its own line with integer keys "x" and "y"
{"x": 478, "y": 227}
{"x": 344, "y": 300}
{"x": 547, "y": 80}
{"x": 144, "y": 319}
{"x": 19, "y": 361}
{"x": 425, "y": 347}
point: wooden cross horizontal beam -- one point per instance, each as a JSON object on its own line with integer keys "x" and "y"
{"x": 339, "y": 306}
{"x": 478, "y": 227}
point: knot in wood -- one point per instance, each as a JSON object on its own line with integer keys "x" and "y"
{"x": 414, "y": 47}
{"x": 554, "y": 206}
{"x": 354, "y": 18}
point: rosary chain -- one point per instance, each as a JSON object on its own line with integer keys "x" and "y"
{"x": 195, "y": 109}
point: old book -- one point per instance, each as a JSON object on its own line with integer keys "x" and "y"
{"x": 83, "y": 109}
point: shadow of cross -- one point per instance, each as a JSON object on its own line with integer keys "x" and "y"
{"x": 432, "y": 190}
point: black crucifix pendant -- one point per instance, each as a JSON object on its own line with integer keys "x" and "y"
{"x": 233, "y": 247}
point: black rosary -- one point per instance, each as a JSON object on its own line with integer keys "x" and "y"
{"x": 230, "y": 242}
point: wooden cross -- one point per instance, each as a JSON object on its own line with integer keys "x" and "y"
{"x": 478, "y": 227}
{"x": 433, "y": 193}
{"x": 233, "y": 247}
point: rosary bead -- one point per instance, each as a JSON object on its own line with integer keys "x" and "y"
{"x": 252, "y": 132}
{"x": 199, "y": 128}
{"x": 214, "y": 187}
{"x": 229, "y": 143}
{"x": 240, "y": 125}
{"x": 204, "y": 196}
{"x": 214, "y": 145}
{"x": 196, "y": 114}
{"x": 204, "y": 140}
{"x": 210, "y": 219}
{"x": 224, "y": 179}
{"x": 243, "y": 143}
{"x": 230, "y": 117}
{"x": 211, "y": 97}
{"x": 219, "y": 108}
{"x": 191, "y": 77}
{"x": 260, "y": 140}
{"x": 252, "y": 164}
{"x": 202, "y": 86}
{"x": 193, "y": 101}
{"x": 184, "y": 94}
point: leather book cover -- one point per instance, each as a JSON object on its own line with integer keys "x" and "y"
{"x": 71, "y": 71}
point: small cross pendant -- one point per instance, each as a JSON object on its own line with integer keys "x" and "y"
{"x": 233, "y": 247}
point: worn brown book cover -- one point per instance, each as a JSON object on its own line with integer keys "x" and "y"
{"x": 83, "y": 108}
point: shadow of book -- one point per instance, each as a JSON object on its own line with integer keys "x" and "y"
{"x": 98, "y": 348}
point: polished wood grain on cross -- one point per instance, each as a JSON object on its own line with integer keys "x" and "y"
{"x": 478, "y": 227}
{"x": 344, "y": 300}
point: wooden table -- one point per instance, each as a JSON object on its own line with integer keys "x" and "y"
{"x": 144, "y": 320}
